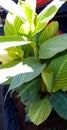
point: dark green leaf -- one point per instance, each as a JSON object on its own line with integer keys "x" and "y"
{"x": 29, "y": 91}
{"x": 32, "y": 69}
{"x": 59, "y": 102}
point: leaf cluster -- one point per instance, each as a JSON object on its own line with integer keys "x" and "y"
{"x": 34, "y": 58}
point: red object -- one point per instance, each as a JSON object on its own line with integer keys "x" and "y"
{"x": 60, "y": 32}
{"x": 40, "y": 2}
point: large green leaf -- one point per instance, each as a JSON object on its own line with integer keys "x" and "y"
{"x": 55, "y": 76}
{"x": 53, "y": 46}
{"x": 49, "y": 31}
{"x": 40, "y": 110}
{"x": 29, "y": 91}
{"x": 47, "y": 14}
{"x": 32, "y": 70}
{"x": 59, "y": 102}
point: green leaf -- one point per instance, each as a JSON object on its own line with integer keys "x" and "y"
{"x": 24, "y": 29}
{"x": 32, "y": 70}
{"x": 10, "y": 41}
{"x": 30, "y": 10}
{"x": 53, "y": 46}
{"x": 4, "y": 58}
{"x": 15, "y": 52}
{"x": 29, "y": 91}
{"x": 49, "y": 31}
{"x": 40, "y": 110}
{"x": 13, "y": 24}
{"x": 18, "y": 21}
{"x": 47, "y": 14}
{"x": 28, "y": 50}
{"x": 55, "y": 75}
{"x": 9, "y": 28}
{"x": 31, "y": 4}
{"x": 59, "y": 102}
{"x": 59, "y": 67}
{"x": 48, "y": 80}
{"x": 9, "y": 63}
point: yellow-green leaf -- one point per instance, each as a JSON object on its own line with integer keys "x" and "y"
{"x": 55, "y": 75}
{"x": 49, "y": 31}
{"x": 48, "y": 80}
{"x": 40, "y": 110}
{"x": 47, "y": 14}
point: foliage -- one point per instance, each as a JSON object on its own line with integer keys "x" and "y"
{"x": 34, "y": 58}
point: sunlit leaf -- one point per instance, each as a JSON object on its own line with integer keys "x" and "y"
{"x": 12, "y": 24}
{"x": 12, "y": 7}
{"x": 10, "y": 72}
{"x": 30, "y": 10}
{"x": 9, "y": 28}
{"x": 4, "y": 58}
{"x": 15, "y": 52}
{"x": 10, "y": 41}
{"x": 24, "y": 29}
{"x": 47, "y": 14}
